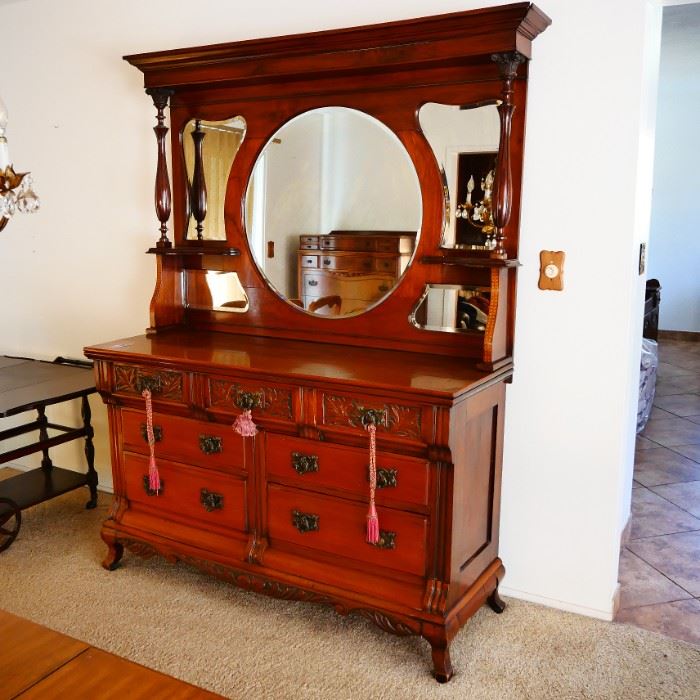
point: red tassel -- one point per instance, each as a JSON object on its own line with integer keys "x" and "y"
{"x": 244, "y": 425}
{"x": 372, "y": 519}
{"x": 153, "y": 476}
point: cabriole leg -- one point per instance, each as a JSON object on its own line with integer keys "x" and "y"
{"x": 442, "y": 665}
{"x": 114, "y": 553}
{"x": 495, "y": 602}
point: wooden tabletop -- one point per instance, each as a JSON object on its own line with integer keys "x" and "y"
{"x": 392, "y": 369}
{"x": 26, "y": 384}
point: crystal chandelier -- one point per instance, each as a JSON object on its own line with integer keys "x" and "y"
{"x": 16, "y": 192}
{"x": 480, "y": 214}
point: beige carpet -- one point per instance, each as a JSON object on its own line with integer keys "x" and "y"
{"x": 175, "y": 620}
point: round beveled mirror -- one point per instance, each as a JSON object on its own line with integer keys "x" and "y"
{"x": 333, "y": 211}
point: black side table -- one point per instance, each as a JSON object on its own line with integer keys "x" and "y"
{"x": 32, "y": 385}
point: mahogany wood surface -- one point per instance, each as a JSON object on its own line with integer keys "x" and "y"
{"x": 36, "y": 662}
{"x": 284, "y": 512}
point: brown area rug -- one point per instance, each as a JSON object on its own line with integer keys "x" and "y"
{"x": 178, "y": 621}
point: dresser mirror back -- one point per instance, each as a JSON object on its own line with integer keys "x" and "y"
{"x": 447, "y": 90}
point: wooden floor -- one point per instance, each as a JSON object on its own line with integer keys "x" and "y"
{"x": 36, "y": 662}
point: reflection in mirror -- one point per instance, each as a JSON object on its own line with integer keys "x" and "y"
{"x": 333, "y": 209}
{"x": 209, "y": 149}
{"x": 465, "y": 142}
{"x": 214, "y": 290}
{"x": 452, "y": 308}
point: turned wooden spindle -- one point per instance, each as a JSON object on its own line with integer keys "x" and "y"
{"x": 163, "y": 198}
{"x": 198, "y": 192}
{"x": 503, "y": 190}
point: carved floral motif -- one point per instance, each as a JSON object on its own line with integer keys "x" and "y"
{"x": 343, "y": 411}
{"x": 132, "y": 380}
{"x": 275, "y": 402}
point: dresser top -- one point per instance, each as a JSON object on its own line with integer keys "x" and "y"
{"x": 387, "y": 369}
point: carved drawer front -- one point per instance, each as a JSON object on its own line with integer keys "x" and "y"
{"x": 165, "y": 385}
{"x": 337, "y": 526}
{"x": 312, "y": 464}
{"x": 188, "y": 493}
{"x": 203, "y": 443}
{"x": 229, "y": 397}
{"x": 350, "y": 413}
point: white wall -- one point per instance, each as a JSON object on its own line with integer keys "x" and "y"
{"x": 674, "y": 252}
{"x": 76, "y": 274}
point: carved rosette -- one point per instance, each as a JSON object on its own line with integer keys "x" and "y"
{"x": 132, "y": 380}
{"x": 276, "y": 402}
{"x": 346, "y": 412}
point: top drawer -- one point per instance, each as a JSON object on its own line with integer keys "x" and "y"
{"x": 185, "y": 440}
{"x": 165, "y": 385}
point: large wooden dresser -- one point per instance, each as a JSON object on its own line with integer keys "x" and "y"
{"x": 284, "y": 512}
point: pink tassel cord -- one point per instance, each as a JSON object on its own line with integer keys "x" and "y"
{"x": 244, "y": 425}
{"x": 153, "y": 475}
{"x": 372, "y": 519}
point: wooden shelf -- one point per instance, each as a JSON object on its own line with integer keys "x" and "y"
{"x": 38, "y": 485}
{"x": 194, "y": 250}
{"x": 469, "y": 261}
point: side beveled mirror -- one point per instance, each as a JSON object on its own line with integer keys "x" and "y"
{"x": 452, "y": 308}
{"x": 333, "y": 211}
{"x": 209, "y": 149}
{"x": 465, "y": 142}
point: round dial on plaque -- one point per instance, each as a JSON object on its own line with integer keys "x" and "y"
{"x": 551, "y": 271}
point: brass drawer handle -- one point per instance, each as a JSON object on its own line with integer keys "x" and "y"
{"x": 157, "y": 433}
{"x": 327, "y": 261}
{"x": 153, "y": 384}
{"x": 386, "y": 478}
{"x": 313, "y": 283}
{"x": 248, "y": 400}
{"x": 303, "y": 464}
{"x": 372, "y": 416}
{"x": 210, "y": 444}
{"x": 384, "y": 288}
{"x": 211, "y": 501}
{"x": 387, "y": 540}
{"x": 149, "y": 491}
{"x": 305, "y": 522}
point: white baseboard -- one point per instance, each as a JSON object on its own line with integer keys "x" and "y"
{"x": 559, "y": 604}
{"x": 104, "y": 488}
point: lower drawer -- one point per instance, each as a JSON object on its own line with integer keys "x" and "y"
{"x": 337, "y": 526}
{"x": 188, "y": 492}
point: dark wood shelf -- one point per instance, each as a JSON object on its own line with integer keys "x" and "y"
{"x": 194, "y": 250}
{"x": 38, "y": 485}
{"x": 469, "y": 261}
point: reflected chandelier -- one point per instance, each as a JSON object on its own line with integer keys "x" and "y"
{"x": 16, "y": 192}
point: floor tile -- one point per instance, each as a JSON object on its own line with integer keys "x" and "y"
{"x": 659, "y": 413}
{"x": 689, "y": 451}
{"x": 685, "y": 496}
{"x": 642, "y": 584}
{"x": 680, "y": 620}
{"x": 659, "y": 465}
{"x": 679, "y": 404}
{"x": 695, "y": 419}
{"x": 676, "y": 556}
{"x": 689, "y": 384}
{"x": 679, "y": 431}
{"x": 644, "y": 443}
{"x": 653, "y": 515}
{"x": 667, "y": 370}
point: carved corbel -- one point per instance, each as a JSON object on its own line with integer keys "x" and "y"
{"x": 503, "y": 191}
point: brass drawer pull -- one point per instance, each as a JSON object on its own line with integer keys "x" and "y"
{"x": 386, "y": 478}
{"x": 248, "y": 400}
{"x": 327, "y": 261}
{"x": 210, "y": 444}
{"x": 149, "y": 491}
{"x": 313, "y": 283}
{"x": 157, "y": 433}
{"x": 372, "y": 416}
{"x": 303, "y": 464}
{"x": 387, "y": 540}
{"x": 384, "y": 288}
{"x": 211, "y": 501}
{"x": 305, "y": 522}
{"x": 153, "y": 384}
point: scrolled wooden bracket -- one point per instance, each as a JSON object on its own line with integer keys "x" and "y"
{"x": 163, "y": 198}
{"x": 503, "y": 190}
